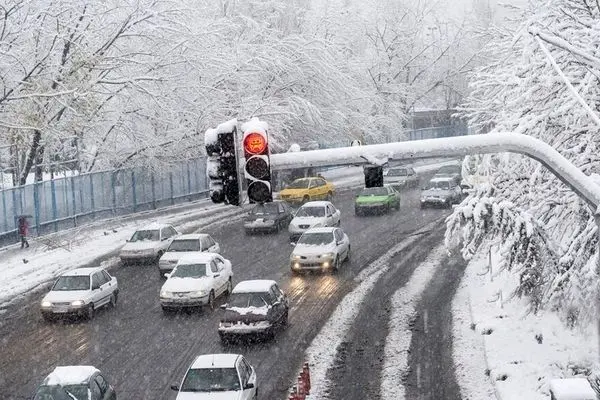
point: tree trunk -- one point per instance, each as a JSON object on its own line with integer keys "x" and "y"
{"x": 31, "y": 157}
{"x": 39, "y": 164}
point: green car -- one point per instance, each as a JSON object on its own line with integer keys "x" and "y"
{"x": 376, "y": 200}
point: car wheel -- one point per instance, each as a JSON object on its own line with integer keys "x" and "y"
{"x": 305, "y": 199}
{"x": 166, "y": 310}
{"x": 284, "y": 319}
{"x": 387, "y": 208}
{"x": 224, "y": 340}
{"x": 159, "y": 255}
{"x": 229, "y": 287}
{"x": 211, "y": 300}
{"x": 348, "y": 254}
{"x": 113, "y": 300}
{"x": 422, "y": 206}
{"x": 336, "y": 264}
{"x": 89, "y": 312}
{"x": 48, "y": 317}
{"x": 357, "y": 212}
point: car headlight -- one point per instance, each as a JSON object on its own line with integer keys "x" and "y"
{"x": 77, "y": 303}
{"x": 164, "y": 293}
{"x": 198, "y": 293}
{"x": 46, "y": 304}
{"x": 296, "y": 257}
{"x": 327, "y": 255}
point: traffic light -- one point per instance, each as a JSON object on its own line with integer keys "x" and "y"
{"x": 221, "y": 165}
{"x": 373, "y": 175}
{"x": 257, "y": 169}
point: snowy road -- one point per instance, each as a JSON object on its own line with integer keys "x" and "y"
{"x": 144, "y": 351}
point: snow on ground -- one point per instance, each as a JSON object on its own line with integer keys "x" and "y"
{"x": 323, "y": 349}
{"x": 499, "y": 347}
{"x": 397, "y": 344}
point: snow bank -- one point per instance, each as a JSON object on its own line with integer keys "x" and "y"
{"x": 255, "y": 125}
{"x": 523, "y": 353}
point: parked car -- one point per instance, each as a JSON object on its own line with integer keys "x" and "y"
{"x": 401, "y": 177}
{"x": 303, "y": 190}
{"x": 218, "y": 376}
{"x": 184, "y": 245}
{"x": 320, "y": 249}
{"x": 148, "y": 244}
{"x": 270, "y": 217}
{"x": 255, "y": 307}
{"x": 376, "y": 200}
{"x": 75, "y": 382}
{"x": 441, "y": 192}
{"x": 196, "y": 281}
{"x": 450, "y": 171}
{"x": 80, "y": 292}
{"x": 311, "y": 215}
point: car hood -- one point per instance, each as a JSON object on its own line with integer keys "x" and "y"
{"x": 293, "y": 192}
{"x": 231, "y": 395}
{"x": 436, "y": 193}
{"x": 176, "y": 255}
{"x": 141, "y": 245}
{"x": 308, "y": 220}
{"x": 56, "y": 296}
{"x": 186, "y": 284}
{"x": 313, "y": 250}
{"x": 370, "y": 199}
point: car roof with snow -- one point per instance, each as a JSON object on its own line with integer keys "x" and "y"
{"x": 215, "y": 361}
{"x": 316, "y": 204}
{"x": 321, "y": 229}
{"x": 191, "y": 236}
{"x": 82, "y": 271}
{"x": 253, "y": 286}
{"x": 154, "y": 226}
{"x": 70, "y": 375}
{"x": 196, "y": 257}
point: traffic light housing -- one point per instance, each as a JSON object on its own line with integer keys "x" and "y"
{"x": 222, "y": 166}
{"x": 373, "y": 176}
{"x": 257, "y": 168}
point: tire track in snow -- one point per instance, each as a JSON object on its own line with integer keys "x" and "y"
{"x": 397, "y": 345}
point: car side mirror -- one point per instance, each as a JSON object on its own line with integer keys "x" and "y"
{"x": 249, "y": 385}
{"x": 127, "y": 240}
{"x": 167, "y": 275}
{"x": 339, "y": 242}
{"x": 293, "y": 244}
{"x": 224, "y": 306}
{"x": 163, "y": 239}
{"x": 175, "y": 387}
{"x": 276, "y": 303}
{"x": 216, "y": 275}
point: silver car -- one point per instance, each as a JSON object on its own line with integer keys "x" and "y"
{"x": 401, "y": 177}
{"x": 441, "y": 192}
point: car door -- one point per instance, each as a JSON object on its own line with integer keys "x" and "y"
{"x": 413, "y": 181}
{"x": 106, "y": 391}
{"x": 336, "y": 215}
{"x": 165, "y": 235}
{"x": 97, "y": 294}
{"x": 275, "y": 303}
{"x": 217, "y": 278}
{"x": 312, "y": 189}
{"x": 249, "y": 393}
{"x": 111, "y": 282}
{"x": 213, "y": 246}
{"x": 105, "y": 289}
{"x": 342, "y": 243}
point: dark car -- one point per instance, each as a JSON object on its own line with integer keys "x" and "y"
{"x": 255, "y": 308}
{"x": 450, "y": 171}
{"x": 75, "y": 382}
{"x": 268, "y": 217}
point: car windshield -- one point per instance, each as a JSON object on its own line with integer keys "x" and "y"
{"x": 245, "y": 300}
{"x": 299, "y": 184}
{"x": 443, "y": 185}
{"x": 65, "y": 283}
{"x": 449, "y": 169}
{"x": 311, "y": 212}
{"x": 189, "y": 271}
{"x": 58, "y": 392}
{"x": 153, "y": 235}
{"x": 185, "y": 245}
{"x": 374, "y": 191}
{"x": 316, "y": 238}
{"x": 264, "y": 209}
{"x": 397, "y": 172}
{"x": 211, "y": 380}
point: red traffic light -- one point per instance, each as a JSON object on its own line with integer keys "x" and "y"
{"x": 255, "y": 143}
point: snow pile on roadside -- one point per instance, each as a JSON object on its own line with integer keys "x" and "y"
{"x": 499, "y": 347}
{"x": 397, "y": 344}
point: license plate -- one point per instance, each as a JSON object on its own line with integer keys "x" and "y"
{"x": 61, "y": 309}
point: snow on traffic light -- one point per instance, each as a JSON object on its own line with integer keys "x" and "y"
{"x": 257, "y": 169}
{"x": 221, "y": 165}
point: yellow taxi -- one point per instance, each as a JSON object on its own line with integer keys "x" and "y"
{"x": 307, "y": 189}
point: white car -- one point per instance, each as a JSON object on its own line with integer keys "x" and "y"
{"x": 75, "y": 382}
{"x": 218, "y": 377}
{"x": 320, "y": 249}
{"x": 80, "y": 292}
{"x": 312, "y": 215}
{"x": 401, "y": 177}
{"x": 196, "y": 281}
{"x": 148, "y": 244}
{"x": 441, "y": 192}
{"x": 184, "y": 245}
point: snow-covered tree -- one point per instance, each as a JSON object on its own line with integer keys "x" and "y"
{"x": 520, "y": 90}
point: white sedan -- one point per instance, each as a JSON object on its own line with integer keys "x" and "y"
{"x": 311, "y": 215}
{"x": 148, "y": 243}
{"x": 184, "y": 245}
{"x": 320, "y": 249}
{"x": 80, "y": 292}
{"x": 197, "y": 280}
{"x": 218, "y": 377}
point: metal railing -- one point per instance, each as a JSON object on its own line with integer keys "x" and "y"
{"x": 66, "y": 202}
